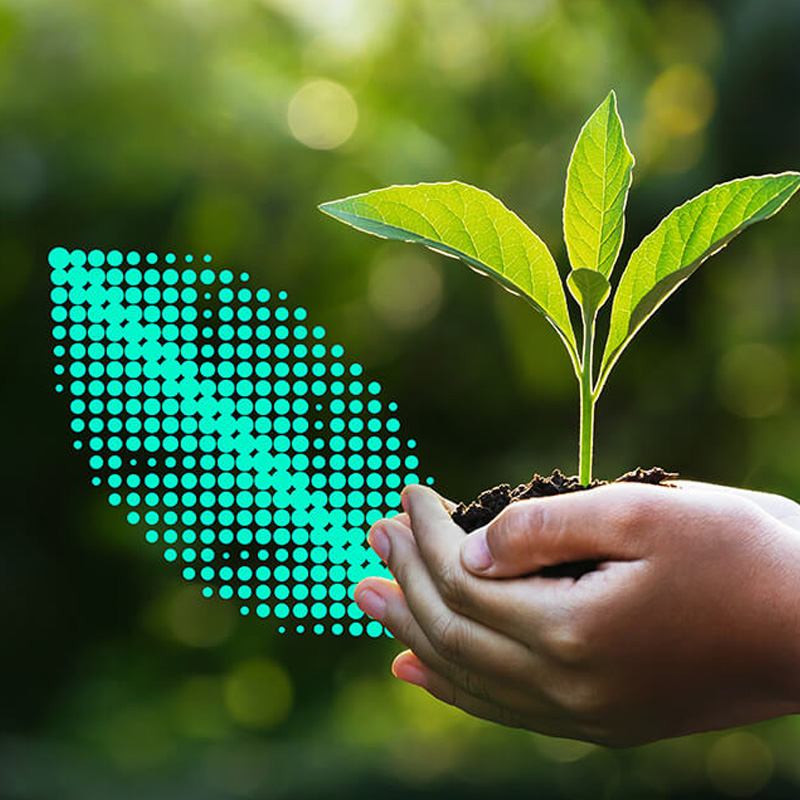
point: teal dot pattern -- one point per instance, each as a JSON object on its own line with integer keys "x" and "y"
{"x": 234, "y": 436}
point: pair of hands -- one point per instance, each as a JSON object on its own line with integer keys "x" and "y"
{"x": 690, "y": 622}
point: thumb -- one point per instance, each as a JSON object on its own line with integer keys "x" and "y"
{"x": 603, "y": 524}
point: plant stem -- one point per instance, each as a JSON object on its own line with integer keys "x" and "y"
{"x": 587, "y": 402}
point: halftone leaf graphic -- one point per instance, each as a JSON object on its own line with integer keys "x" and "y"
{"x": 238, "y": 440}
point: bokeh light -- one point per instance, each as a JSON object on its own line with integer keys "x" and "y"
{"x": 405, "y": 289}
{"x": 322, "y": 115}
{"x": 259, "y": 693}
{"x": 754, "y": 380}
{"x": 197, "y": 622}
{"x": 681, "y": 100}
{"x": 739, "y": 764}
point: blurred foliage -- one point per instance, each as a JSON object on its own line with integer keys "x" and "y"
{"x": 217, "y": 126}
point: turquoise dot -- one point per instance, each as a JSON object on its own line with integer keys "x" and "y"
{"x": 96, "y": 258}
{"x": 58, "y": 258}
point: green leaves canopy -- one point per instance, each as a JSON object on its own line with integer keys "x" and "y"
{"x": 681, "y": 243}
{"x": 463, "y": 222}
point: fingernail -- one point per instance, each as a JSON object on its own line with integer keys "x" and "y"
{"x": 379, "y": 542}
{"x": 410, "y": 674}
{"x": 371, "y": 603}
{"x": 404, "y": 499}
{"x": 475, "y": 552}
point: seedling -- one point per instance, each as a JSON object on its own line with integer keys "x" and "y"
{"x": 464, "y": 222}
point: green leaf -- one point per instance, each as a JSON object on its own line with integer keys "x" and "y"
{"x": 463, "y": 222}
{"x": 681, "y": 243}
{"x": 598, "y": 179}
{"x": 590, "y": 288}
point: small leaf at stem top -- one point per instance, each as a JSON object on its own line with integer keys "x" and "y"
{"x": 464, "y": 222}
{"x": 683, "y": 240}
{"x": 590, "y": 288}
{"x": 598, "y": 179}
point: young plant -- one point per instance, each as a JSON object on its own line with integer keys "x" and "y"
{"x": 464, "y": 222}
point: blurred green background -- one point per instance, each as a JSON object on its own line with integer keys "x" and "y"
{"x": 217, "y": 126}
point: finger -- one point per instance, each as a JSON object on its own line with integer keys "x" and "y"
{"x": 457, "y": 639}
{"x": 393, "y": 612}
{"x": 402, "y": 518}
{"x": 414, "y": 490}
{"x": 448, "y": 504}
{"x": 425, "y": 507}
{"x": 608, "y": 523}
{"x": 439, "y": 539}
{"x": 428, "y": 567}
{"x": 408, "y": 667}
{"x": 782, "y": 508}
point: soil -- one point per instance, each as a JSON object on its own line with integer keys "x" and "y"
{"x": 488, "y": 504}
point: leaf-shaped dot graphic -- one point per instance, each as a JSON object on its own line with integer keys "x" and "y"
{"x": 238, "y": 439}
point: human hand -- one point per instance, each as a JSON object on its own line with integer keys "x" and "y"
{"x": 690, "y": 621}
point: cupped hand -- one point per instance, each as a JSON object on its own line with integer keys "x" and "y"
{"x": 689, "y": 621}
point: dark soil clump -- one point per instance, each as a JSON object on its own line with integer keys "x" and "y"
{"x": 491, "y": 502}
